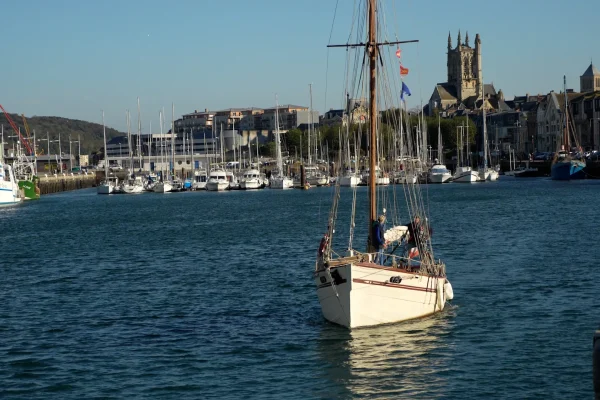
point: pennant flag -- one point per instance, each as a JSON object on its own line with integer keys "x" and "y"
{"x": 406, "y": 90}
{"x": 414, "y": 252}
{"x": 403, "y": 71}
{"x": 398, "y": 53}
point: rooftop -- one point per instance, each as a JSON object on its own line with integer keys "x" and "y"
{"x": 591, "y": 71}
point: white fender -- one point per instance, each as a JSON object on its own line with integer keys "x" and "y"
{"x": 448, "y": 290}
{"x": 440, "y": 295}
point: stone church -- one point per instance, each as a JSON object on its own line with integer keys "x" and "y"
{"x": 462, "y": 91}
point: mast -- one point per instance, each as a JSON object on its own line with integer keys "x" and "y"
{"x": 279, "y": 161}
{"x": 310, "y": 125}
{"x": 566, "y": 131}
{"x": 485, "y": 141}
{"x": 372, "y": 50}
{"x": 105, "y": 153}
{"x": 440, "y": 158}
{"x": 139, "y": 144}
{"x": 172, "y": 139}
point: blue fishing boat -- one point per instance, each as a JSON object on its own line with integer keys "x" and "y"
{"x": 564, "y": 166}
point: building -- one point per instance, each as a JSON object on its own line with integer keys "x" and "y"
{"x": 585, "y": 110}
{"x": 550, "y": 120}
{"x": 196, "y": 121}
{"x": 590, "y": 80}
{"x": 465, "y": 83}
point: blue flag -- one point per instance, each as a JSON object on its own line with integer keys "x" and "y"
{"x": 405, "y": 89}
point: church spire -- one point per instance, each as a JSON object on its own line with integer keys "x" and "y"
{"x": 467, "y": 39}
{"x": 459, "y": 39}
{"x": 449, "y": 41}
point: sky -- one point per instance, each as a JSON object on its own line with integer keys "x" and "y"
{"x": 74, "y": 58}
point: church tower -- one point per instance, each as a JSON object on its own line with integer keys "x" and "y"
{"x": 464, "y": 67}
{"x": 590, "y": 80}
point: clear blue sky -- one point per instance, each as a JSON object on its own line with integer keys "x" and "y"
{"x": 72, "y": 58}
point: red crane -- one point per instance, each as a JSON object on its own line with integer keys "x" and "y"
{"x": 21, "y": 138}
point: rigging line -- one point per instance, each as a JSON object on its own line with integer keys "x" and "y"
{"x": 329, "y": 42}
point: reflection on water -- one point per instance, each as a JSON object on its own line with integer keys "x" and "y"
{"x": 391, "y": 360}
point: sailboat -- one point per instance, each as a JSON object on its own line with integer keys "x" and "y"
{"x": 352, "y": 289}
{"x": 463, "y": 173}
{"x": 439, "y": 173}
{"x": 564, "y": 166}
{"x": 133, "y": 184}
{"x": 279, "y": 180}
{"x": 110, "y": 183}
{"x": 485, "y": 172}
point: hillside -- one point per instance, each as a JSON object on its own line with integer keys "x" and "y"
{"x": 91, "y": 133}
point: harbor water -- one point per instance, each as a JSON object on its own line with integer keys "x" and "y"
{"x": 210, "y": 295}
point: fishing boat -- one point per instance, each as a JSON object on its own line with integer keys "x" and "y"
{"x": 353, "y": 290}
{"x": 24, "y": 166}
{"x": 279, "y": 180}
{"x": 564, "y": 166}
{"x": 9, "y": 187}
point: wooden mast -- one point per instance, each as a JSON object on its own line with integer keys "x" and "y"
{"x": 372, "y": 50}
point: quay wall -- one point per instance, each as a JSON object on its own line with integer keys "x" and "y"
{"x": 65, "y": 182}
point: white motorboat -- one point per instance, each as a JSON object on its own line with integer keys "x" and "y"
{"x": 252, "y": 179}
{"x": 439, "y": 174}
{"x": 465, "y": 175}
{"x": 200, "y": 179}
{"x": 217, "y": 181}
{"x": 9, "y": 187}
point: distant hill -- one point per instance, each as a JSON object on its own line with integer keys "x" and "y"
{"x": 90, "y": 132}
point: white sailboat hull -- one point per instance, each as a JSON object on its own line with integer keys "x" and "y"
{"x": 382, "y": 181}
{"x": 281, "y": 183}
{"x": 318, "y": 180}
{"x": 440, "y": 178}
{"x": 162, "y": 187}
{"x": 492, "y": 176}
{"x": 133, "y": 189}
{"x": 466, "y": 176}
{"x": 364, "y": 295}
{"x": 106, "y": 189}
{"x": 349, "y": 180}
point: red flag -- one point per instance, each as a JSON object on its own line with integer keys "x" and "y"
{"x": 403, "y": 71}
{"x": 398, "y": 53}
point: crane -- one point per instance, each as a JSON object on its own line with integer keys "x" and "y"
{"x": 26, "y": 125}
{"x": 21, "y": 138}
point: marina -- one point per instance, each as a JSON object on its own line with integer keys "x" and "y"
{"x": 266, "y": 209}
{"x": 153, "y": 323}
